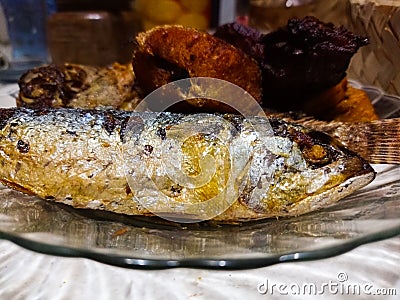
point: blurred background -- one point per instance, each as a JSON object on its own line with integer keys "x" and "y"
{"x": 94, "y": 32}
{"x": 100, "y": 32}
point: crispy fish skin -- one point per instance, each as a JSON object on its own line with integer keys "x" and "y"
{"x": 82, "y": 158}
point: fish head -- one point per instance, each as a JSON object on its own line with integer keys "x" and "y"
{"x": 308, "y": 170}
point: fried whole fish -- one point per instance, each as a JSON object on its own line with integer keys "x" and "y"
{"x": 191, "y": 166}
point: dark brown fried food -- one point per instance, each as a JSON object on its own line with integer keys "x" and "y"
{"x": 201, "y": 55}
{"x": 309, "y": 54}
{"x": 298, "y": 61}
{"x": 248, "y": 39}
{"x": 50, "y": 86}
{"x": 154, "y": 72}
{"x": 83, "y": 86}
{"x": 321, "y": 104}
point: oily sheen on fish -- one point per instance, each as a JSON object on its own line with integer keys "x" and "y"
{"x": 164, "y": 163}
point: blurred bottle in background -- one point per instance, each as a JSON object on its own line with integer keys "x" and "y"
{"x": 23, "y": 42}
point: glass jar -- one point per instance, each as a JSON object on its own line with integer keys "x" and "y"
{"x": 92, "y": 32}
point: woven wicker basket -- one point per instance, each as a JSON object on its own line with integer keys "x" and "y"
{"x": 378, "y": 63}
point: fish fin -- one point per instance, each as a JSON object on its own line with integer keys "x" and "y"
{"x": 384, "y": 141}
{"x": 377, "y": 141}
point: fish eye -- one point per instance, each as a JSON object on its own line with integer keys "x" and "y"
{"x": 316, "y": 154}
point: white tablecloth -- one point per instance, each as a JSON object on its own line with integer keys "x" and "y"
{"x": 364, "y": 270}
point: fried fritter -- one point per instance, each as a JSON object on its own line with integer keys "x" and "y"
{"x": 343, "y": 103}
{"x": 201, "y": 55}
{"x": 72, "y": 85}
{"x": 154, "y": 72}
{"x": 354, "y": 107}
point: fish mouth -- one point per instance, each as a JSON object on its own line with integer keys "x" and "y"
{"x": 330, "y": 197}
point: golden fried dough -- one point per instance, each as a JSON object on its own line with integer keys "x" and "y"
{"x": 202, "y": 55}
{"x": 341, "y": 102}
{"x": 355, "y": 107}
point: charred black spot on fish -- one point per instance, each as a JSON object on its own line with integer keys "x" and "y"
{"x": 301, "y": 138}
{"x": 5, "y": 116}
{"x": 279, "y": 127}
{"x": 71, "y": 132}
{"x": 124, "y": 128}
{"x": 176, "y": 189}
{"x": 161, "y": 132}
{"x": 23, "y": 147}
{"x": 17, "y": 167}
{"x": 236, "y": 121}
{"x": 148, "y": 149}
{"x": 110, "y": 123}
{"x": 50, "y": 198}
{"x": 128, "y": 190}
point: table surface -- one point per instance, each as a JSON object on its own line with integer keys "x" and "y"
{"x": 370, "y": 268}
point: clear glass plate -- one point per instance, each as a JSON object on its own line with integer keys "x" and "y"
{"x": 371, "y": 214}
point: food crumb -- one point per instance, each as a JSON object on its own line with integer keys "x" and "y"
{"x": 120, "y": 232}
